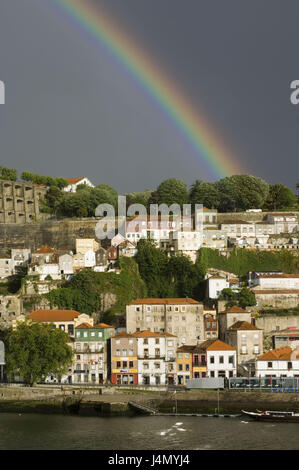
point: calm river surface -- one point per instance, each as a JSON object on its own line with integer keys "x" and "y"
{"x": 37, "y": 431}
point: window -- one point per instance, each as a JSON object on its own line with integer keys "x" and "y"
{"x": 100, "y": 334}
{"x": 118, "y": 364}
{"x": 85, "y": 334}
{"x": 118, "y": 352}
{"x": 255, "y": 349}
{"x": 145, "y": 341}
{"x": 221, "y": 359}
{"x": 290, "y": 365}
{"x": 157, "y": 341}
{"x": 124, "y": 352}
{"x": 180, "y": 366}
{"x": 231, "y": 360}
{"x": 212, "y": 360}
{"x": 269, "y": 365}
{"x": 187, "y": 367}
{"x": 92, "y": 333}
{"x": 125, "y": 364}
{"x": 187, "y": 355}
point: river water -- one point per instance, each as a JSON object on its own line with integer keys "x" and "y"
{"x": 38, "y": 431}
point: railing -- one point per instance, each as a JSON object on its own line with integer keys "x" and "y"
{"x": 199, "y": 364}
{"x": 151, "y": 357}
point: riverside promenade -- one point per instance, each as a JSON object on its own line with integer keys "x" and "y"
{"x": 111, "y": 401}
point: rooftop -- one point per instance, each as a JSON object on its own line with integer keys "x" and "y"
{"x": 243, "y": 325}
{"x": 170, "y": 301}
{"x": 53, "y": 315}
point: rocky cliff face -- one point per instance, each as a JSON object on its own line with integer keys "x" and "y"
{"x": 59, "y": 234}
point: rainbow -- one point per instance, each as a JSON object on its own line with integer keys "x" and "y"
{"x": 208, "y": 145}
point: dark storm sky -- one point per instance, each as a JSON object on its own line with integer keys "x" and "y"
{"x": 71, "y": 110}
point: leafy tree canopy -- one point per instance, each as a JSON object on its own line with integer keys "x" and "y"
{"x": 280, "y": 197}
{"x": 36, "y": 350}
{"x": 171, "y": 191}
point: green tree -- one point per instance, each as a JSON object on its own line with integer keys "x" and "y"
{"x": 36, "y": 350}
{"x": 8, "y": 174}
{"x": 246, "y": 298}
{"x": 171, "y": 191}
{"x": 280, "y": 197}
{"x": 242, "y": 192}
{"x": 142, "y": 198}
{"x": 152, "y": 263}
{"x": 205, "y": 193}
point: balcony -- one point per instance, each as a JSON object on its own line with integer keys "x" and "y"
{"x": 148, "y": 357}
{"x": 199, "y": 364}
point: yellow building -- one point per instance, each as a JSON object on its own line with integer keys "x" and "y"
{"x": 184, "y": 364}
{"x": 83, "y": 245}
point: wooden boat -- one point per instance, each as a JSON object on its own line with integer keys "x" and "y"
{"x": 287, "y": 416}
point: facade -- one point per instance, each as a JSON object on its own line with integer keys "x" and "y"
{"x": 210, "y": 324}
{"x": 287, "y": 337}
{"x": 229, "y": 317}
{"x": 184, "y": 364}
{"x": 84, "y": 245}
{"x": 247, "y": 339}
{"x": 180, "y": 317}
{"x": 280, "y": 362}
{"x": 212, "y": 358}
{"x": 186, "y": 242}
{"x": 156, "y": 354}
{"x": 66, "y": 264}
{"x": 276, "y": 281}
{"x": 238, "y": 228}
{"x": 91, "y": 353}
{"x": 215, "y": 286}
{"x": 20, "y": 257}
{"x": 19, "y": 202}
{"x": 45, "y": 254}
{"x": 6, "y": 267}
{"x": 66, "y": 320}
{"x": 124, "y": 362}
{"x": 220, "y": 359}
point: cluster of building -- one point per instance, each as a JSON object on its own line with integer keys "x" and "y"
{"x": 169, "y": 341}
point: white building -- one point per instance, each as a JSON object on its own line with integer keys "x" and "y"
{"x": 276, "y": 281}
{"x": 6, "y": 267}
{"x": 44, "y": 270}
{"x": 20, "y": 257}
{"x": 221, "y": 358}
{"x": 281, "y": 362}
{"x": 74, "y": 182}
{"x": 186, "y": 242}
{"x": 66, "y": 264}
{"x": 155, "y": 352}
{"x": 215, "y": 286}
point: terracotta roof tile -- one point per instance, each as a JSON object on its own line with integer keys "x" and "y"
{"x": 234, "y": 309}
{"x": 53, "y": 315}
{"x": 75, "y": 180}
{"x": 279, "y": 354}
{"x": 45, "y": 249}
{"x": 103, "y": 325}
{"x": 149, "y": 334}
{"x": 215, "y": 345}
{"x": 243, "y": 325}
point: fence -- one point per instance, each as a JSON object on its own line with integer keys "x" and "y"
{"x": 273, "y": 384}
